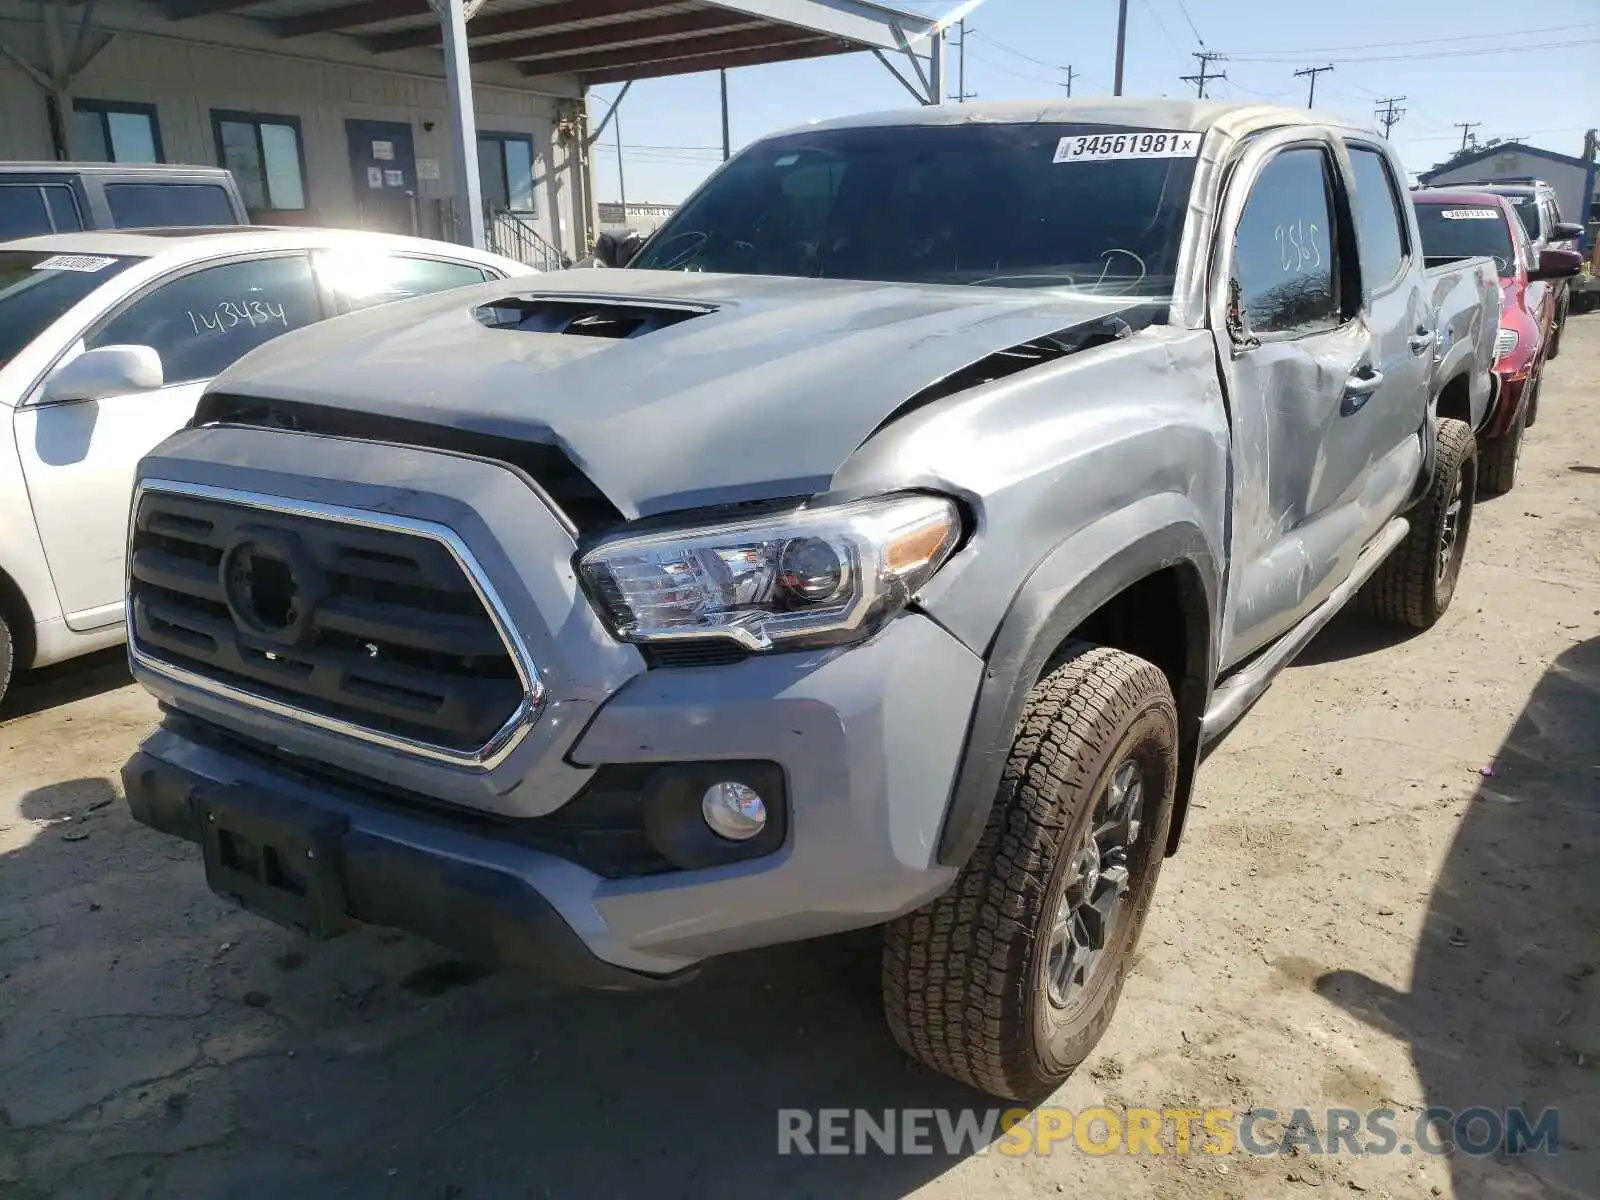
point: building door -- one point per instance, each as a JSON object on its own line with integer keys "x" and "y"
{"x": 383, "y": 172}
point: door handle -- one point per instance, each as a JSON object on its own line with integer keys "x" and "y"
{"x": 1421, "y": 341}
{"x": 1358, "y": 389}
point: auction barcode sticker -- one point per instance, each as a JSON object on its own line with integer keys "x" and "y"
{"x": 1101, "y": 147}
{"x": 1470, "y": 214}
{"x": 87, "y": 263}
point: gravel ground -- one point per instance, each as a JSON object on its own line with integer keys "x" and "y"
{"x": 1387, "y": 898}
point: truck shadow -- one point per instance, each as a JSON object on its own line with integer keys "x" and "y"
{"x": 1504, "y": 1005}
{"x": 155, "y": 1041}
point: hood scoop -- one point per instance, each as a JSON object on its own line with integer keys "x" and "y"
{"x": 586, "y": 316}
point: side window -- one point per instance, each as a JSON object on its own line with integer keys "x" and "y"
{"x": 163, "y": 205}
{"x": 1283, "y": 267}
{"x": 202, "y": 322}
{"x": 27, "y": 209}
{"x": 1380, "y": 228}
{"x": 360, "y": 280}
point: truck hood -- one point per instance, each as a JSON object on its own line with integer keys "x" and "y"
{"x": 726, "y": 388}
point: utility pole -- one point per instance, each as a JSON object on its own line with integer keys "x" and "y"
{"x": 1068, "y": 84}
{"x": 1389, "y": 114}
{"x": 962, "y": 95}
{"x": 1122, "y": 45}
{"x": 1205, "y": 74}
{"x": 622, "y": 188}
{"x": 1313, "y": 72}
{"x": 1466, "y": 128}
{"x": 724, "y": 74}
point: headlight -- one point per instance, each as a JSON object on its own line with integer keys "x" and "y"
{"x": 1505, "y": 342}
{"x": 811, "y": 577}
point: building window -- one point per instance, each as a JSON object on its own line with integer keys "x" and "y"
{"x": 267, "y": 158}
{"x": 505, "y": 170}
{"x": 111, "y": 131}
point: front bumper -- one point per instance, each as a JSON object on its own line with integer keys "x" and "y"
{"x": 867, "y": 740}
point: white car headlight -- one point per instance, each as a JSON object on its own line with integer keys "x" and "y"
{"x": 1505, "y": 342}
{"x": 813, "y": 576}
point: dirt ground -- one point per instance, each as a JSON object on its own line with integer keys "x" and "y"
{"x": 1389, "y": 896}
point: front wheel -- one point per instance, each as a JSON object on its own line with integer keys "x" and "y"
{"x": 1008, "y": 980}
{"x": 1414, "y": 585}
{"x": 1499, "y": 457}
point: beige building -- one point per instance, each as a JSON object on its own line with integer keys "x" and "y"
{"x": 345, "y": 112}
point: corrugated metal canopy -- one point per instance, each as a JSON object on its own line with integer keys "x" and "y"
{"x": 602, "y": 41}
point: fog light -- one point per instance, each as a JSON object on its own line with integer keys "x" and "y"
{"x": 733, "y": 810}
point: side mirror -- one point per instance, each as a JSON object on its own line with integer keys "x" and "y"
{"x": 1556, "y": 264}
{"x": 105, "y": 371}
{"x": 1566, "y": 231}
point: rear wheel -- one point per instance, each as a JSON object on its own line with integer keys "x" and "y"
{"x": 1414, "y": 585}
{"x": 1498, "y": 457}
{"x": 1008, "y": 980}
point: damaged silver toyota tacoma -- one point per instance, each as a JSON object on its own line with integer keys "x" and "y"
{"x": 886, "y": 544}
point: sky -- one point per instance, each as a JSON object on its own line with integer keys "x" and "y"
{"x": 1528, "y": 70}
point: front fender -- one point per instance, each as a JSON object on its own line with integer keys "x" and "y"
{"x": 1074, "y": 580}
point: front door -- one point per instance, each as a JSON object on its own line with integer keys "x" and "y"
{"x": 79, "y": 458}
{"x": 1302, "y": 371}
{"x": 383, "y": 172}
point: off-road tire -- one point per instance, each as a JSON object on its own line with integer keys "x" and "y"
{"x": 1498, "y": 457}
{"x": 964, "y": 988}
{"x": 1408, "y": 589}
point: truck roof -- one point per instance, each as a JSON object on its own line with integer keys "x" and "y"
{"x": 1459, "y": 194}
{"x": 1234, "y": 116}
{"x": 103, "y": 168}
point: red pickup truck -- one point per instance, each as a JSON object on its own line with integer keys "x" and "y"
{"x": 1464, "y": 223}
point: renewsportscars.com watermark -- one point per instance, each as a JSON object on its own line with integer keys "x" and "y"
{"x": 1101, "y": 1131}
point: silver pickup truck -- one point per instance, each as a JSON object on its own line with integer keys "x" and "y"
{"x": 886, "y": 544}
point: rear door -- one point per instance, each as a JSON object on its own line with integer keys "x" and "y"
{"x": 79, "y": 458}
{"x": 1302, "y": 371}
{"x": 1394, "y": 301}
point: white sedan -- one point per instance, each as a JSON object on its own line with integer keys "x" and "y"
{"x": 106, "y": 343}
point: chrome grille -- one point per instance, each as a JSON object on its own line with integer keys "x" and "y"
{"x": 376, "y": 630}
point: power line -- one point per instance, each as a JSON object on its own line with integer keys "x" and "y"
{"x": 1466, "y": 37}
{"x": 1184, "y": 8}
{"x": 1436, "y": 54}
{"x": 1206, "y": 57}
{"x": 1162, "y": 25}
{"x": 989, "y": 62}
{"x": 999, "y": 45}
{"x": 1311, "y": 99}
{"x": 1389, "y": 114}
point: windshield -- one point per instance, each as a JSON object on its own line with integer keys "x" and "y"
{"x": 36, "y": 288}
{"x": 1082, "y": 206}
{"x": 1527, "y": 211}
{"x": 1452, "y": 230}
